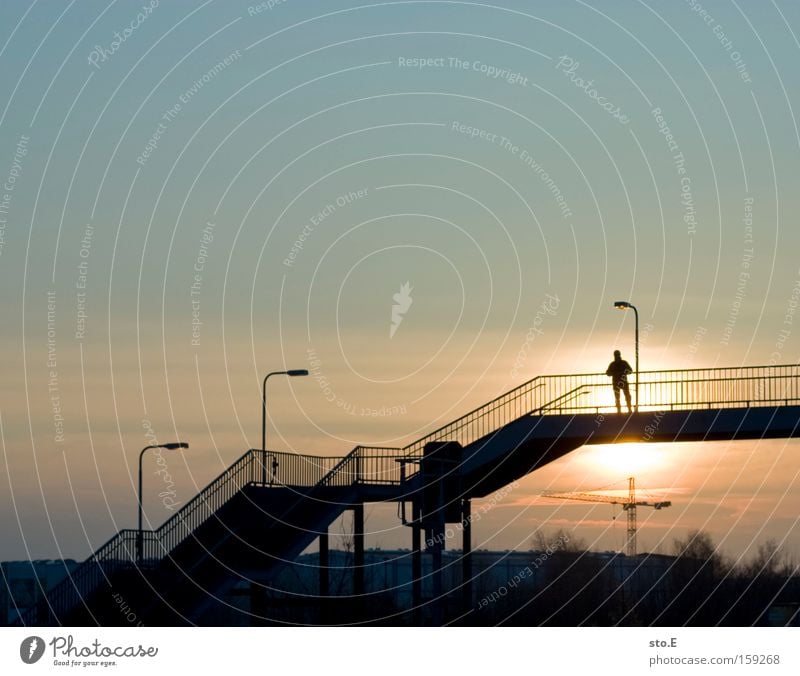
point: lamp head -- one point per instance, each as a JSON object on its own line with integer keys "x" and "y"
{"x": 174, "y": 446}
{"x": 297, "y": 372}
{"x": 621, "y": 304}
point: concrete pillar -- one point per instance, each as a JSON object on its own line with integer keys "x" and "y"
{"x": 324, "y": 565}
{"x": 466, "y": 552}
{"x": 416, "y": 563}
{"x": 358, "y": 549}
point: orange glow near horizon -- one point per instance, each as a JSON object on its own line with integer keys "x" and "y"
{"x": 624, "y": 460}
{"x": 629, "y": 458}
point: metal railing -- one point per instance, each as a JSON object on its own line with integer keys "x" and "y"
{"x": 195, "y": 512}
{"x": 679, "y": 389}
{"x": 365, "y": 464}
{"x": 117, "y": 553}
{"x": 683, "y": 389}
{"x": 120, "y": 552}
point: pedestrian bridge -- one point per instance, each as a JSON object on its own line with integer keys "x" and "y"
{"x": 267, "y": 507}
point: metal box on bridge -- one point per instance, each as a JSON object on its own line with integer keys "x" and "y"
{"x": 440, "y": 467}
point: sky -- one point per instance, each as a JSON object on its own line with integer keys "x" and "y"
{"x": 424, "y": 203}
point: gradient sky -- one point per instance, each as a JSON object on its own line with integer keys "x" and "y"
{"x": 258, "y": 118}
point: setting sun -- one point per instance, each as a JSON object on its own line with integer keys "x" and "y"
{"x": 625, "y": 459}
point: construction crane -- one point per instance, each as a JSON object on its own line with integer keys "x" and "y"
{"x": 629, "y": 504}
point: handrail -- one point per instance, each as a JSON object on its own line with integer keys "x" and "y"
{"x": 672, "y": 389}
{"x": 355, "y": 457}
{"x": 572, "y": 394}
{"x": 120, "y": 551}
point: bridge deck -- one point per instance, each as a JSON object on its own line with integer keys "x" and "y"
{"x": 534, "y": 441}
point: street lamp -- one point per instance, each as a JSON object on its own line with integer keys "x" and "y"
{"x": 139, "y": 535}
{"x": 292, "y": 373}
{"x": 624, "y": 305}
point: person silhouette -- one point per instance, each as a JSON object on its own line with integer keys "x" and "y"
{"x": 619, "y": 370}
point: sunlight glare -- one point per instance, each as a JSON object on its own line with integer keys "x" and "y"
{"x": 626, "y": 459}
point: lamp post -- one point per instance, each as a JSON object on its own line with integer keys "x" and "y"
{"x": 139, "y": 534}
{"x": 624, "y": 305}
{"x": 292, "y": 373}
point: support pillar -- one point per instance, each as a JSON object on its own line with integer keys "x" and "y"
{"x": 466, "y": 552}
{"x": 436, "y": 547}
{"x": 416, "y": 563}
{"x": 358, "y": 549}
{"x": 324, "y": 577}
{"x": 438, "y": 588}
{"x": 324, "y": 563}
{"x": 258, "y": 604}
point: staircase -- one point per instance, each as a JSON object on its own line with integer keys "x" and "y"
{"x": 267, "y": 507}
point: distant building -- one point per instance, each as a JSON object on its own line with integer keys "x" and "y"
{"x": 388, "y": 579}
{"x": 523, "y": 587}
{"x": 24, "y": 583}
{"x": 785, "y": 608}
{"x": 599, "y": 587}
{"x": 390, "y": 570}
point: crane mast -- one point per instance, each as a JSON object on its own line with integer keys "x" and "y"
{"x": 629, "y": 505}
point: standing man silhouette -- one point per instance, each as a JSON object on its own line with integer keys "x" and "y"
{"x": 619, "y": 370}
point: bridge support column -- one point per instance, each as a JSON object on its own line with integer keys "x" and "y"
{"x": 438, "y": 588}
{"x": 258, "y": 604}
{"x": 358, "y": 549}
{"x": 437, "y": 529}
{"x": 416, "y": 563}
{"x": 466, "y": 552}
{"x": 324, "y": 576}
{"x": 324, "y": 563}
